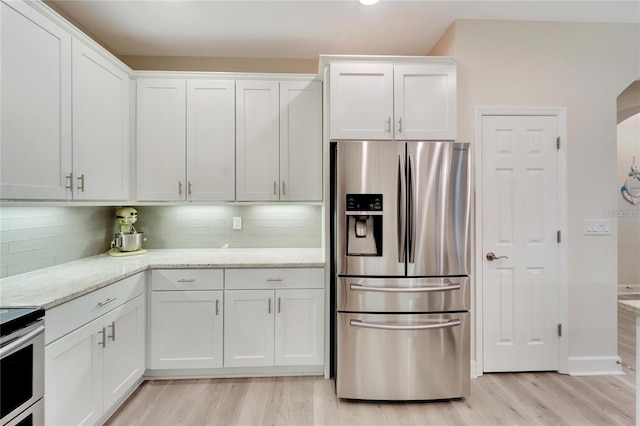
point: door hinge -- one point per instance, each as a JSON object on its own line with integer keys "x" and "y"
{"x": 559, "y": 330}
{"x": 559, "y": 236}
{"x": 558, "y": 142}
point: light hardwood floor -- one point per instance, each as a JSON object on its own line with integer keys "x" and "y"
{"x": 496, "y": 399}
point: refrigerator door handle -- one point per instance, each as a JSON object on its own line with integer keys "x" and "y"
{"x": 362, "y": 324}
{"x": 360, "y": 287}
{"x": 411, "y": 226}
{"x": 401, "y": 219}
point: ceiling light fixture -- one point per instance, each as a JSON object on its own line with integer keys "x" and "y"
{"x": 368, "y": 2}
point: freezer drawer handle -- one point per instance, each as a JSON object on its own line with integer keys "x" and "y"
{"x": 360, "y": 287}
{"x": 450, "y": 323}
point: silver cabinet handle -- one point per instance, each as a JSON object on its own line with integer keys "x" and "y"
{"x": 279, "y": 304}
{"x": 102, "y": 343}
{"x": 81, "y": 183}
{"x": 362, "y": 324}
{"x": 389, "y": 125}
{"x": 360, "y": 287}
{"x": 284, "y": 192}
{"x": 111, "y": 299}
{"x": 189, "y": 187}
{"x": 491, "y": 256}
{"x": 70, "y": 186}
{"x": 217, "y": 307}
{"x": 274, "y": 280}
{"x": 400, "y": 125}
{"x": 113, "y": 331}
{"x": 187, "y": 280}
{"x": 179, "y": 187}
{"x": 275, "y": 188}
{"x": 269, "y": 305}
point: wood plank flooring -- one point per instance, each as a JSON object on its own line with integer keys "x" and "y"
{"x": 496, "y": 399}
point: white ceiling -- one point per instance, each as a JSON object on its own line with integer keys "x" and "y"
{"x": 307, "y": 28}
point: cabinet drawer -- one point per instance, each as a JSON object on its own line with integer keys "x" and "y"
{"x": 187, "y": 279}
{"x": 238, "y": 279}
{"x": 71, "y": 315}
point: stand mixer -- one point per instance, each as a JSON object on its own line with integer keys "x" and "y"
{"x": 128, "y": 241}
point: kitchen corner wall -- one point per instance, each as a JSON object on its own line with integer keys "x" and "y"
{"x": 37, "y": 237}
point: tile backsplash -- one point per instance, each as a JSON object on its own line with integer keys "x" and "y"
{"x": 37, "y": 237}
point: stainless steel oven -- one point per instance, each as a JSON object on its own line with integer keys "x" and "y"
{"x": 21, "y": 366}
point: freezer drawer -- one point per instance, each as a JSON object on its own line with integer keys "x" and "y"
{"x": 406, "y": 295}
{"x": 403, "y": 357}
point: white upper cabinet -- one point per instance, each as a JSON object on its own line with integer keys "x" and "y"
{"x": 425, "y": 102}
{"x": 257, "y": 140}
{"x": 361, "y": 101}
{"x": 278, "y": 141}
{"x": 300, "y": 141}
{"x": 161, "y": 139}
{"x": 211, "y": 140}
{"x": 36, "y": 105}
{"x": 100, "y": 127}
{"x": 392, "y": 101}
{"x": 65, "y": 113}
{"x": 185, "y": 140}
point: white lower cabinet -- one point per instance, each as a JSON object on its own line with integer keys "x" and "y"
{"x": 186, "y": 329}
{"x": 186, "y": 318}
{"x": 274, "y": 327}
{"x": 91, "y": 368}
{"x": 268, "y": 323}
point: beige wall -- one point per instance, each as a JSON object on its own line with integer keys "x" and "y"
{"x": 583, "y": 68}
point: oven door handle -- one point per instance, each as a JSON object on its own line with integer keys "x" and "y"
{"x": 18, "y": 343}
{"x": 360, "y": 287}
{"x": 362, "y": 324}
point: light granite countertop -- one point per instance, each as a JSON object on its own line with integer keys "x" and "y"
{"x": 55, "y": 285}
{"x": 631, "y": 306}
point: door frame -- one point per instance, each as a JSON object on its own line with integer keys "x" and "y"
{"x": 561, "y": 115}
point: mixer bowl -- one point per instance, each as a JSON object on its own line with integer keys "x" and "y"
{"x": 129, "y": 242}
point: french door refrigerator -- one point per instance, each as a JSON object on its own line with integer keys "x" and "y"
{"x": 400, "y": 226}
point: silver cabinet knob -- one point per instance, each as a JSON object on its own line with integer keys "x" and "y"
{"x": 491, "y": 256}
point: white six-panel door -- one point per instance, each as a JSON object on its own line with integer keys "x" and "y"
{"x": 520, "y": 221}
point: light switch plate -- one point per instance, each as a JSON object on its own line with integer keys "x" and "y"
{"x": 237, "y": 222}
{"x": 597, "y": 227}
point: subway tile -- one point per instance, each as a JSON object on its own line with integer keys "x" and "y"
{"x": 16, "y": 235}
{"x": 30, "y": 266}
{"x": 28, "y": 245}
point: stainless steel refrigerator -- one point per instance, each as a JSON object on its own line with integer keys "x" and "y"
{"x": 400, "y": 225}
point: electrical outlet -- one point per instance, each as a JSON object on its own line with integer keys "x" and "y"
{"x": 597, "y": 227}
{"x": 237, "y": 222}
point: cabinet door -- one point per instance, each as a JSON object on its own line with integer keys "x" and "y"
{"x": 124, "y": 354}
{"x": 299, "y": 327}
{"x": 186, "y": 329}
{"x": 74, "y": 377}
{"x": 257, "y": 141}
{"x": 35, "y": 101}
{"x": 300, "y": 141}
{"x": 425, "y": 102}
{"x": 361, "y": 101}
{"x": 161, "y": 140}
{"x": 100, "y": 127}
{"x": 248, "y": 328}
{"x": 211, "y": 140}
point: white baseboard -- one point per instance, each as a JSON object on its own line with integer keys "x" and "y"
{"x": 595, "y": 366}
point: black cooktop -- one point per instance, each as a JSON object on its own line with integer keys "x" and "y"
{"x": 12, "y": 319}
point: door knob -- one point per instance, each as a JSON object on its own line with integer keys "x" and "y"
{"x": 491, "y": 256}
